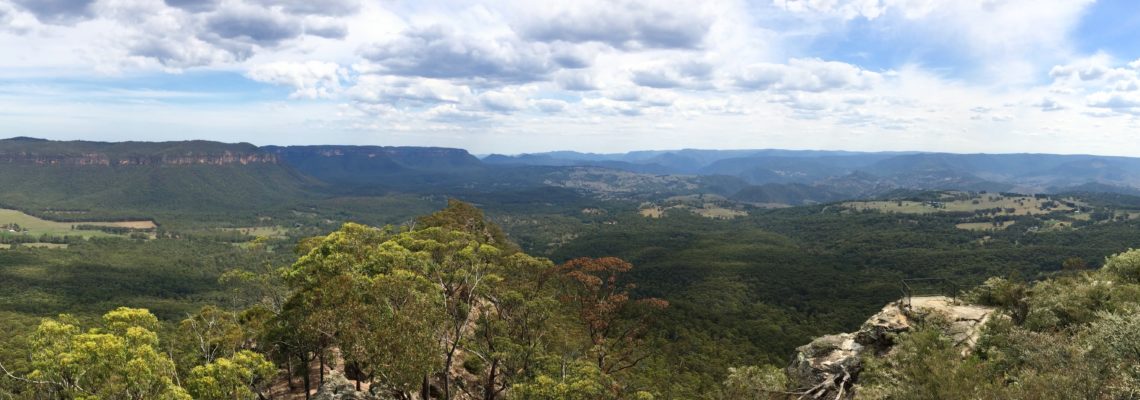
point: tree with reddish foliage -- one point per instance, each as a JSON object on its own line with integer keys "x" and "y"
{"x": 615, "y": 324}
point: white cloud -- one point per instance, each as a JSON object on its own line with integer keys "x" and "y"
{"x": 689, "y": 74}
{"x": 61, "y": 12}
{"x": 414, "y": 92}
{"x": 549, "y": 105}
{"x": 1050, "y": 104}
{"x": 730, "y": 73}
{"x": 1009, "y": 40}
{"x": 576, "y": 80}
{"x": 622, "y": 24}
{"x": 15, "y": 21}
{"x": 326, "y": 27}
{"x": 451, "y": 113}
{"x": 1097, "y": 68}
{"x": 811, "y": 75}
{"x": 1099, "y": 82}
{"x": 502, "y": 101}
{"x": 1115, "y": 101}
{"x": 310, "y": 7}
{"x": 441, "y": 52}
{"x": 311, "y": 80}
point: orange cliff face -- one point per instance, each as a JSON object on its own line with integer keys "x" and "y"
{"x": 100, "y": 159}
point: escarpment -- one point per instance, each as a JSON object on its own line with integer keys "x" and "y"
{"x": 24, "y": 151}
{"x": 829, "y": 366}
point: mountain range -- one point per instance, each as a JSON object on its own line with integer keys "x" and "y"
{"x": 145, "y": 176}
{"x": 826, "y": 175}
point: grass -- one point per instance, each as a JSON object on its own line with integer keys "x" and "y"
{"x": 46, "y": 245}
{"x": 653, "y": 212}
{"x": 37, "y": 226}
{"x": 718, "y": 212}
{"x": 705, "y": 205}
{"x": 1056, "y": 225}
{"x": 127, "y": 224}
{"x": 274, "y": 232}
{"x": 983, "y": 226}
{"x": 1129, "y": 214}
{"x": 708, "y": 211}
{"x": 1021, "y": 205}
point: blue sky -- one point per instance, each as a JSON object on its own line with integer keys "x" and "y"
{"x": 1060, "y": 76}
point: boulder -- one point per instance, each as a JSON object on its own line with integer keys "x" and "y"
{"x": 827, "y": 367}
{"x": 878, "y": 331}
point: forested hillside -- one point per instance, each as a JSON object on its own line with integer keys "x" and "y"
{"x": 450, "y": 309}
{"x": 1072, "y": 336}
{"x": 687, "y": 297}
{"x": 522, "y": 303}
{"x": 144, "y": 180}
{"x": 210, "y": 177}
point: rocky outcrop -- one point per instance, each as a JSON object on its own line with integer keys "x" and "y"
{"x": 337, "y": 387}
{"x": 829, "y": 366}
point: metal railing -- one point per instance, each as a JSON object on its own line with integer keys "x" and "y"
{"x": 928, "y": 287}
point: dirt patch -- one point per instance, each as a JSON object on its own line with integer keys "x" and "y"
{"x": 45, "y": 245}
{"x": 984, "y": 226}
{"x": 655, "y": 212}
{"x": 126, "y": 224}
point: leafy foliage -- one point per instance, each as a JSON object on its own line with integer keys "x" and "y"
{"x": 1081, "y": 339}
{"x": 755, "y": 383}
{"x": 242, "y": 376}
{"x": 121, "y": 359}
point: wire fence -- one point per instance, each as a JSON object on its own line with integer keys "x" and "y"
{"x": 928, "y": 287}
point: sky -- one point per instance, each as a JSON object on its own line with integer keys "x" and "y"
{"x": 513, "y": 76}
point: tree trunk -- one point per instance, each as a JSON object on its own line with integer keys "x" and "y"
{"x": 289, "y": 373}
{"x": 322, "y": 370}
{"x": 305, "y": 374}
{"x": 489, "y": 391}
{"x": 425, "y": 390}
{"x": 447, "y": 374}
{"x": 359, "y": 375}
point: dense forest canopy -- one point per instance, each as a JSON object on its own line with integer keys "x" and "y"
{"x": 546, "y": 281}
{"x": 448, "y": 306}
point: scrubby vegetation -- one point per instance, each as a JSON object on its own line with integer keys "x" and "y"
{"x": 514, "y": 312}
{"x": 1074, "y": 336}
{"x": 447, "y": 309}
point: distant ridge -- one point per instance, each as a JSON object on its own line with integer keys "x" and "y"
{"x": 370, "y": 164}
{"x": 23, "y": 150}
{"x": 847, "y": 173}
{"x": 145, "y": 178}
{"x": 205, "y": 174}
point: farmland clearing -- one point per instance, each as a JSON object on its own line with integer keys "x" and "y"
{"x": 1008, "y": 205}
{"x": 14, "y": 222}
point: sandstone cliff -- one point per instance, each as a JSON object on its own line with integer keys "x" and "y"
{"x": 829, "y": 366}
{"x": 28, "y": 151}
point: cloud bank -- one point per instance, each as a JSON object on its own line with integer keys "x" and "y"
{"x": 510, "y": 76}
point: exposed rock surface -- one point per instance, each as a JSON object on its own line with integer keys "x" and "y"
{"x": 829, "y": 366}
{"x": 337, "y": 387}
{"x": 966, "y": 319}
{"x": 26, "y": 151}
